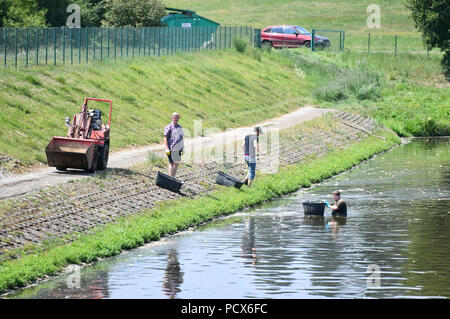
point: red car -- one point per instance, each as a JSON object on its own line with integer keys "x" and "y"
{"x": 289, "y": 36}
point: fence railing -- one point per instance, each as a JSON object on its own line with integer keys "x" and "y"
{"x": 41, "y": 46}
{"x": 328, "y": 40}
{"x": 23, "y": 47}
{"x": 393, "y": 44}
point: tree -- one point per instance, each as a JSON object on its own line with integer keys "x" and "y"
{"x": 3, "y": 10}
{"x": 432, "y": 18}
{"x": 22, "y": 13}
{"x": 92, "y": 11}
{"x": 137, "y": 13}
{"x": 56, "y": 11}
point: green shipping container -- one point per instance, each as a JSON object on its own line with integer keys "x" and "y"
{"x": 186, "y": 19}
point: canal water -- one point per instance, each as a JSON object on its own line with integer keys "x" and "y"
{"x": 394, "y": 243}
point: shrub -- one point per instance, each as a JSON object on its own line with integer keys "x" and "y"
{"x": 240, "y": 44}
{"x": 136, "y": 13}
{"x": 363, "y": 83}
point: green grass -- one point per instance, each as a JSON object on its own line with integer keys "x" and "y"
{"x": 222, "y": 88}
{"x": 177, "y": 215}
{"x": 407, "y": 93}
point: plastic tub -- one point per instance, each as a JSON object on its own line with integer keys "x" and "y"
{"x": 314, "y": 208}
{"x": 227, "y": 180}
{"x": 168, "y": 182}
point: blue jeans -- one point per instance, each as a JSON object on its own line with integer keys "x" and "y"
{"x": 251, "y": 163}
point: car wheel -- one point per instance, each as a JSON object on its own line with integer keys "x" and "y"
{"x": 307, "y": 44}
{"x": 266, "y": 45}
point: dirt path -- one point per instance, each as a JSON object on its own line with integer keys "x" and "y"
{"x": 22, "y": 184}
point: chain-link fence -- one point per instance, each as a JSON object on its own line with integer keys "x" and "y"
{"x": 41, "y": 46}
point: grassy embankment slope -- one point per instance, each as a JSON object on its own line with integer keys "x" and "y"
{"x": 223, "y": 89}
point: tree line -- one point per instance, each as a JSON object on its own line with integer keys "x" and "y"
{"x": 94, "y": 13}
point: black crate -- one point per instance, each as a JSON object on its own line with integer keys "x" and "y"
{"x": 314, "y": 208}
{"x": 168, "y": 182}
{"x": 227, "y": 180}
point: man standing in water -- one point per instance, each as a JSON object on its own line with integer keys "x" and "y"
{"x": 338, "y": 207}
{"x": 250, "y": 149}
{"x": 173, "y": 142}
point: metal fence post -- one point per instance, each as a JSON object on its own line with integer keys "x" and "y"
{"x": 175, "y": 39}
{"x": 121, "y": 41}
{"x": 170, "y": 38}
{"x": 159, "y": 41}
{"x": 127, "y": 39}
{"x": 313, "y": 40}
{"x": 115, "y": 43}
{"x": 26, "y": 46}
{"x": 54, "y": 46}
{"x": 166, "y": 37}
{"x": 87, "y": 44}
{"x": 108, "y": 42}
{"x": 71, "y": 45}
{"x": 63, "y": 34}
{"x": 225, "y": 36}
{"x": 395, "y": 45}
{"x": 46, "y": 44}
{"x": 5, "y": 43}
{"x": 37, "y": 46}
{"x": 153, "y": 39}
{"x": 343, "y": 41}
{"x": 132, "y": 41}
{"x": 79, "y": 45}
{"x": 145, "y": 34}
{"x": 15, "y": 44}
{"x": 93, "y": 40}
{"x": 101, "y": 44}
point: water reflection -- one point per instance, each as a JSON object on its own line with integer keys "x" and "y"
{"x": 173, "y": 276}
{"x": 248, "y": 242}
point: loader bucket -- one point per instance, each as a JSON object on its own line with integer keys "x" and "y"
{"x": 70, "y": 153}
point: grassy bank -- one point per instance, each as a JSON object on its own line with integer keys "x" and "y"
{"x": 177, "y": 215}
{"x": 406, "y": 93}
{"x": 224, "y": 89}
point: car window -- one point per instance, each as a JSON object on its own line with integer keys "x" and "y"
{"x": 268, "y": 30}
{"x": 302, "y": 30}
{"x": 289, "y": 31}
{"x": 277, "y": 30}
